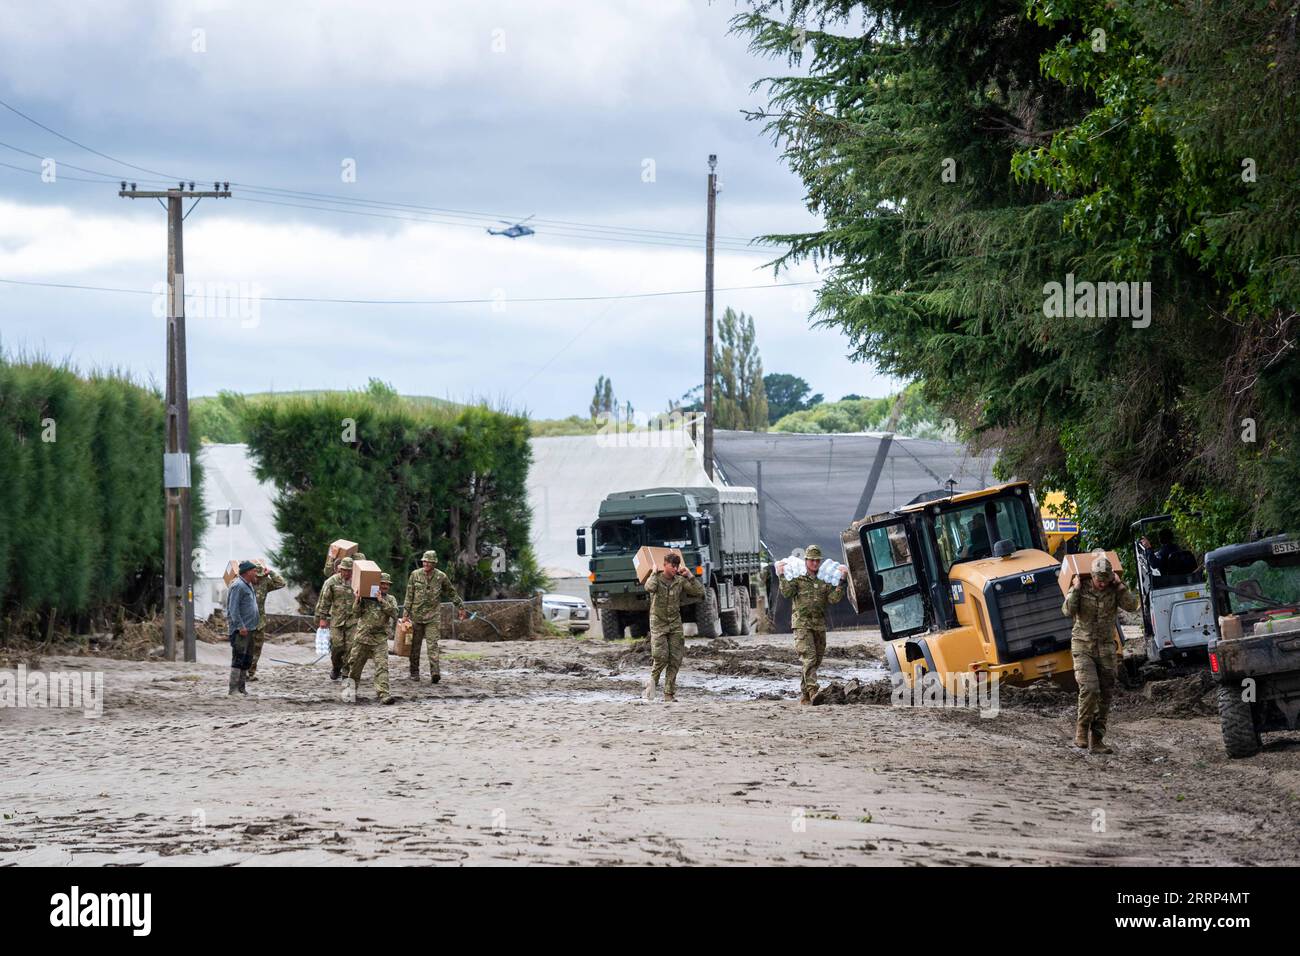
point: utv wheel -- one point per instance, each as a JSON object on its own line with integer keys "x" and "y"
{"x": 611, "y": 624}
{"x": 707, "y": 621}
{"x": 1237, "y": 720}
{"x": 742, "y": 611}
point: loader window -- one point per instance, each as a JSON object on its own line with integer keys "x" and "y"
{"x": 891, "y": 557}
{"x": 968, "y": 534}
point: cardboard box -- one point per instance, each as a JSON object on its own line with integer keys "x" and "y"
{"x": 402, "y": 638}
{"x": 1081, "y": 564}
{"x": 365, "y": 578}
{"x": 231, "y": 572}
{"x": 342, "y": 549}
{"x": 1230, "y": 627}
{"x": 650, "y": 559}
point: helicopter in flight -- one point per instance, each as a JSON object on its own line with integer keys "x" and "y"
{"x": 513, "y": 230}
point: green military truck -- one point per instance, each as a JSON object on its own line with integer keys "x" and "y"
{"x": 716, "y": 530}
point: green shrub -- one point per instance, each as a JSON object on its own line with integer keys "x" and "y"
{"x": 82, "y": 514}
{"x": 397, "y": 477}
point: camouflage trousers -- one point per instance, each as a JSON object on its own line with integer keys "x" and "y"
{"x": 1095, "y": 673}
{"x": 259, "y": 638}
{"x": 340, "y": 641}
{"x": 426, "y": 634}
{"x": 667, "y": 648}
{"x": 359, "y": 653}
{"x": 811, "y": 646}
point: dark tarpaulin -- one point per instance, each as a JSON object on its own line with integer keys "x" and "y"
{"x": 812, "y": 488}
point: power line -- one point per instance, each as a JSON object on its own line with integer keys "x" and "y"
{"x": 565, "y": 232}
{"x": 328, "y": 301}
{"x": 340, "y": 199}
{"x": 474, "y": 225}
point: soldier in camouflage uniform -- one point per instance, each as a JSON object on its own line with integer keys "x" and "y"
{"x": 336, "y": 610}
{"x": 1095, "y": 609}
{"x": 375, "y": 618}
{"x": 426, "y": 589}
{"x": 268, "y": 580}
{"x": 667, "y": 640}
{"x": 332, "y": 566}
{"x": 809, "y": 597}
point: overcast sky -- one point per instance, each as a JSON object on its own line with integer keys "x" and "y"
{"x": 599, "y": 113}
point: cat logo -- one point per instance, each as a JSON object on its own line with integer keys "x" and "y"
{"x": 1027, "y": 580}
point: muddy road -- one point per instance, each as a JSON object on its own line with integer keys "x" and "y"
{"x": 543, "y": 752}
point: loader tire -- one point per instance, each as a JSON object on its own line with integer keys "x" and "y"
{"x": 611, "y": 624}
{"x": 707, "y": 621}
{"x": 1236, "y": 718}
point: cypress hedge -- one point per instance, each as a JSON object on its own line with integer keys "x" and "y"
{"x": 82, "y": 504}
{"x": 397, "y": 477}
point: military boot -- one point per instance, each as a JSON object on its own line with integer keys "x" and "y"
{"x": 433, "y": 679}
{"x": 804, "y": 696}
{"x": 1081, "y": 735}
{"x": 336, "y": 672}
{"x": 234, "y": 682}
{"x": 649, "y": 692}
{"x": 388, "y": 699}
{"x": 1095, "y": 744}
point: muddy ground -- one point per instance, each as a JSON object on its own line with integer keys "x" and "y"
{"x": 543, "y": 752}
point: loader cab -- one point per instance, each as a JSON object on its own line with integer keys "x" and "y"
{"x": 961, "y": 582}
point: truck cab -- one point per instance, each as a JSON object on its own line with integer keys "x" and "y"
{"x": 963, "y": 583}
{"x": 716, "y": 530}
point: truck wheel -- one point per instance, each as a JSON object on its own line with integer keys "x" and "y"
{"x": 611, "y": 624}
{"x": 640, "y": 625}
{"x": 742, "y": 611}
{"x": 707, "y": 621}
{"x": 1236, "y": 719}
{"x": 730, "y": 619}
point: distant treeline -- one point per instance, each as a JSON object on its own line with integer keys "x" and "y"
{"x": 82, "y": 508}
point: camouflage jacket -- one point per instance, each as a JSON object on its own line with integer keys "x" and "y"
{"x": 375, "y": 617}
{"x": 424, "y": 594}
{"x": 1095, "y": 613}
{"x": 269, "y": 582}
{"x": 337, "y": 603}
{"x": 666, "y": 599}
{"x": 809, "y": 597}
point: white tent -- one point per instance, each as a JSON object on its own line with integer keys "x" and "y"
{"x": 229, "y": 484}
{"x": 570, "y": 477}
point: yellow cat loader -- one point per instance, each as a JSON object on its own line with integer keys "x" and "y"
{"x": 963, "y": 583}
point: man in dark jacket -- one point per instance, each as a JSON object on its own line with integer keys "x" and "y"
{"x": 241, "y": 624}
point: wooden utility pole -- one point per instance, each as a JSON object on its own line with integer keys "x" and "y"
{"x": 708, "y": 319}
{"x": 176, "y": 455}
